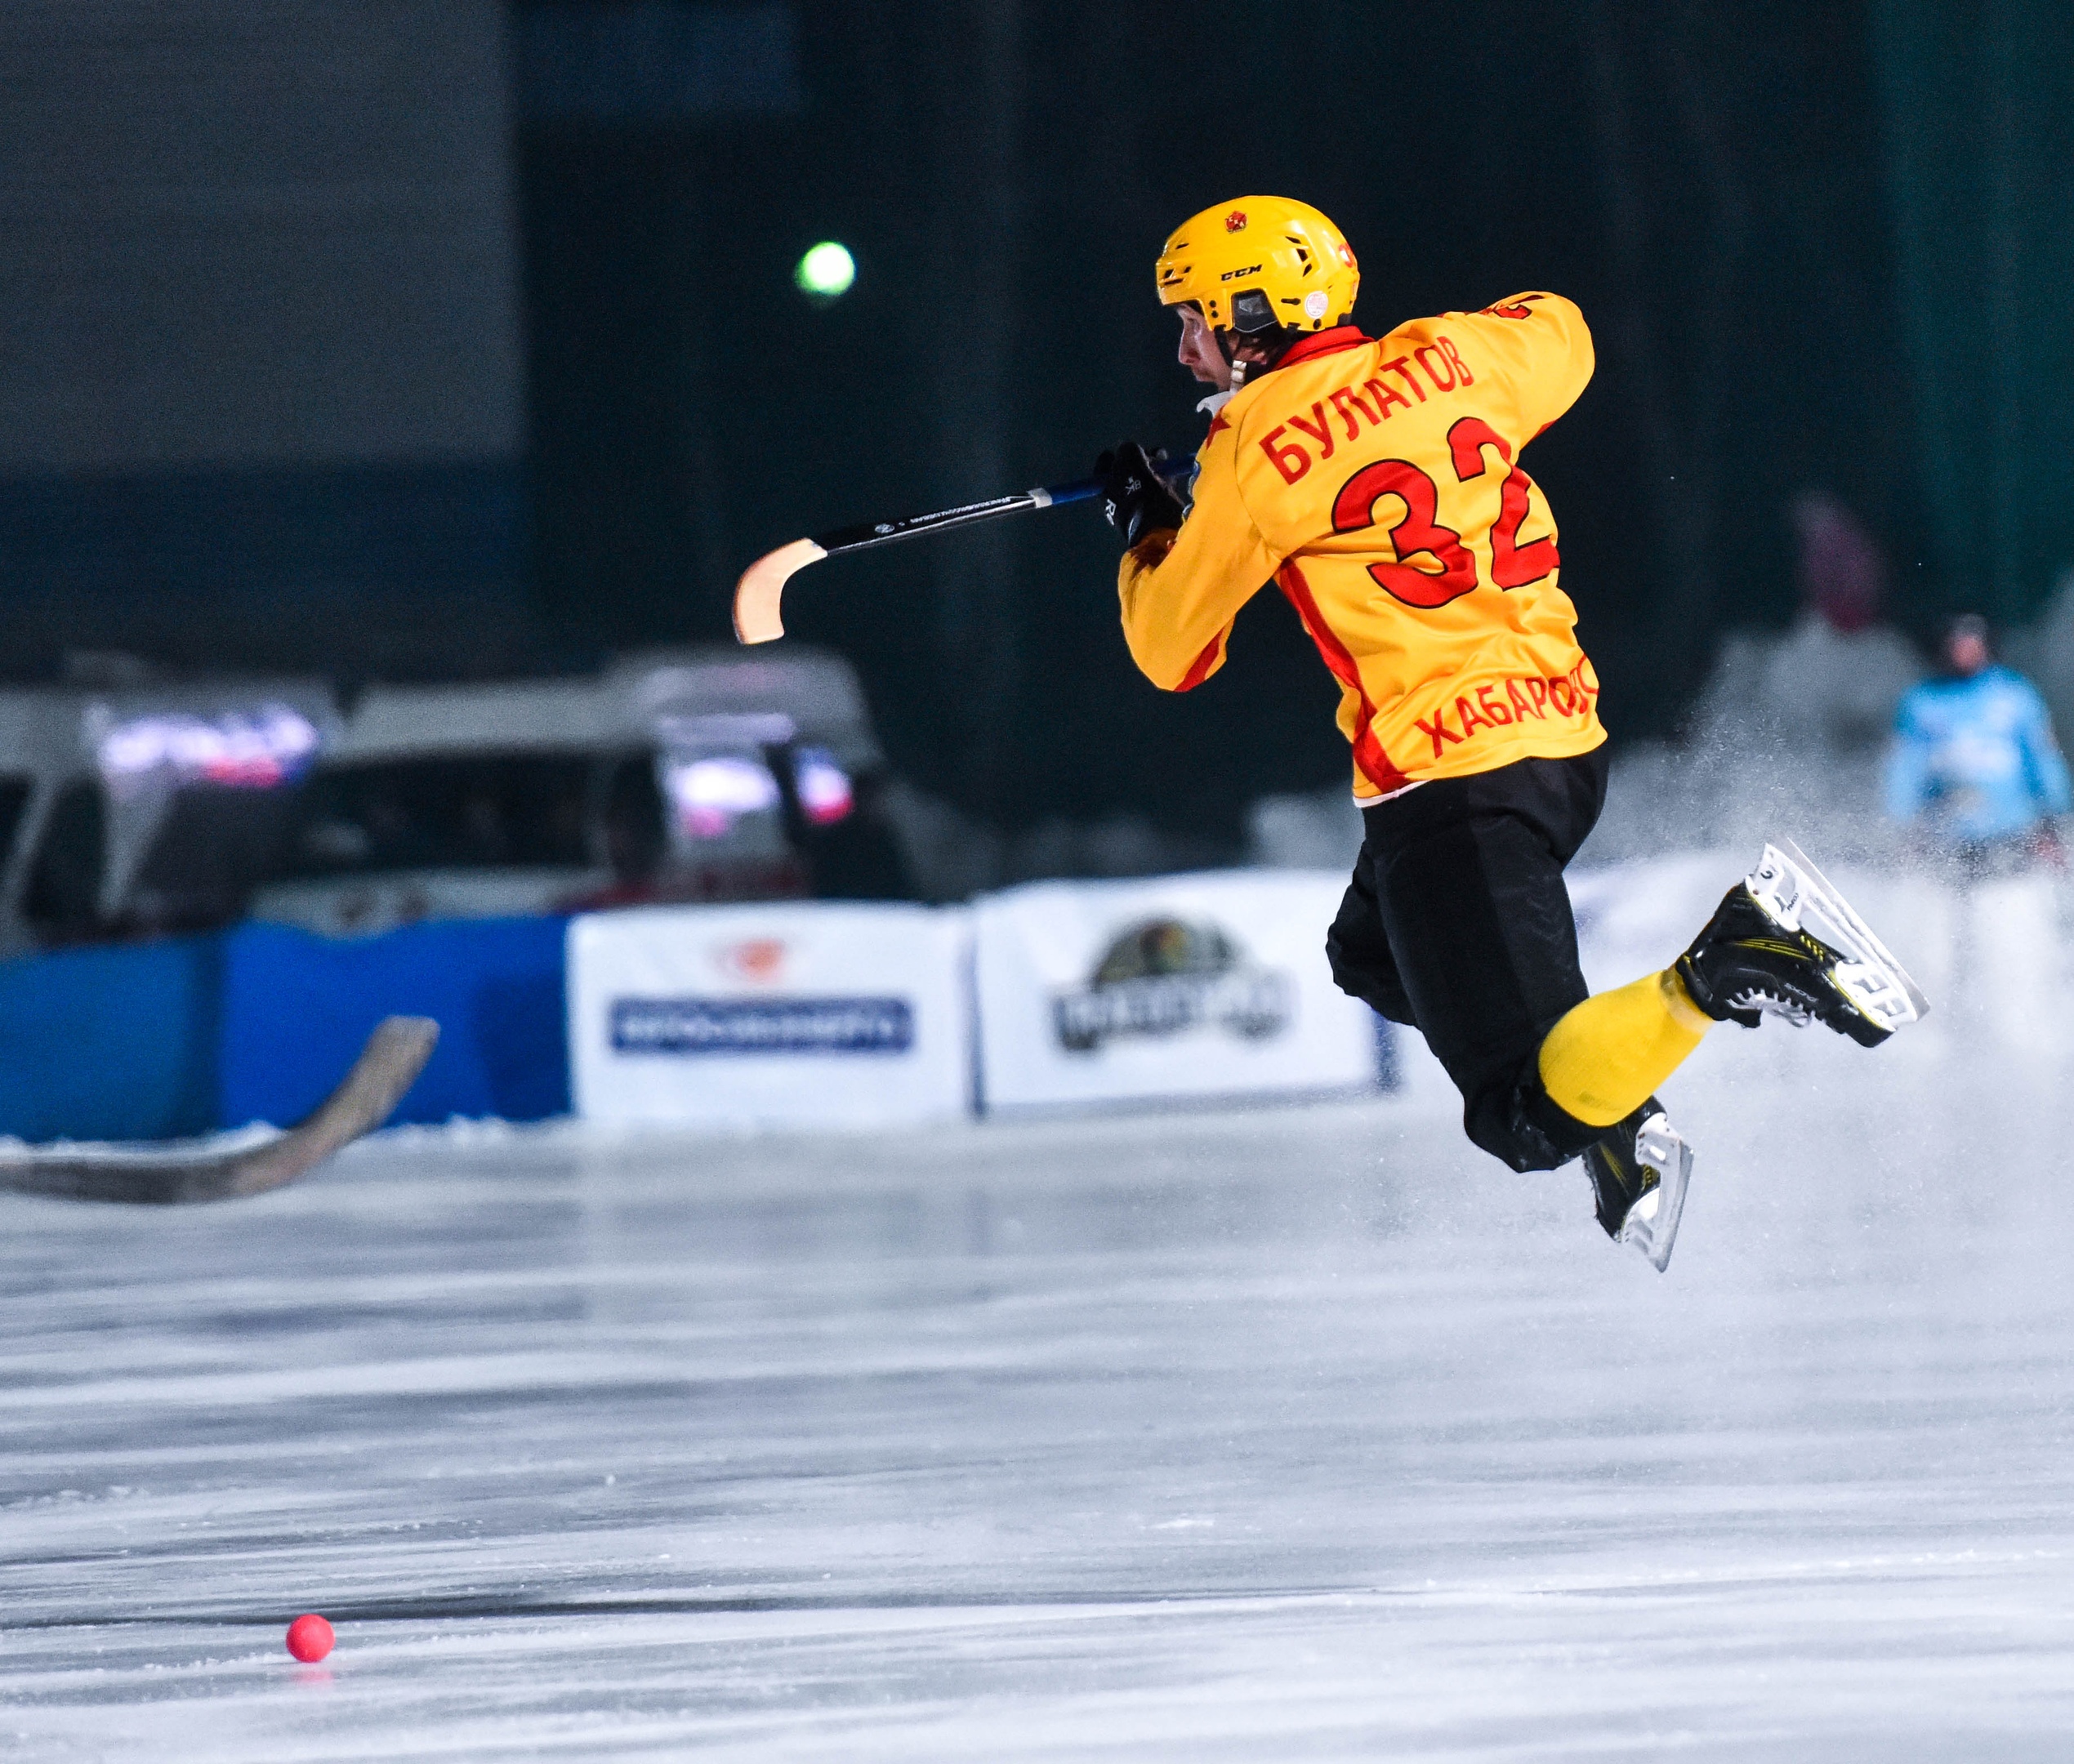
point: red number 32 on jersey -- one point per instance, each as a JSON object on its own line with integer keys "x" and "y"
{"x": 1418, "y": 530}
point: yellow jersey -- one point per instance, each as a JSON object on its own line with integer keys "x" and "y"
{"x": 1376, "y": 482}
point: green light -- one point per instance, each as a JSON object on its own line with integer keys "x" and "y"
{"x": 826, "y": 271}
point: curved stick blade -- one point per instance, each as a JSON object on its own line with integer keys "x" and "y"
{"x": 171, "y": 1175}
{"x": 388, "y": 1066}
{"x": 762, "y": 587}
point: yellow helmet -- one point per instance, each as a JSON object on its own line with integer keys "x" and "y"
{"x": 1260, "y": 261}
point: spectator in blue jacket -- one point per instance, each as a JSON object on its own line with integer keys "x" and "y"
{"x": 1973, "y": 764}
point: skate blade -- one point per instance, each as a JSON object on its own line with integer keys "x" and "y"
{"x": 1651, "y": 1223}
{"x": 1788, "y": 886}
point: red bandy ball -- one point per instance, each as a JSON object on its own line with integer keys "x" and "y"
{"x": 309, "y": 1638}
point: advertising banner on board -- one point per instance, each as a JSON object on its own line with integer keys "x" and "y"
{"x": 1207, "y": 985}
{"x": 820, "y": 1014}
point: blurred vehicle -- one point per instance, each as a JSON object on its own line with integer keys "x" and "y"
{"x": 137, "y": 810}
{"x": 689, "y": 776}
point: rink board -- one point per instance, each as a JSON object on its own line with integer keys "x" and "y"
{"x": 786, "y": 1015}
{"x": 297, "y": 1006}
{"x": 111, "y": 1044}
{"x": 1213, "y": 984}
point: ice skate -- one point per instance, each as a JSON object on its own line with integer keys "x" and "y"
{"x": 1639, "y": 1175}
{"x": 1783, "y": 942}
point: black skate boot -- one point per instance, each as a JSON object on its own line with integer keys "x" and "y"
{"x": 1784, "y": 942}
{"x": 1639, "y": 1173}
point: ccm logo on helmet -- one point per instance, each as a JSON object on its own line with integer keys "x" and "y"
{"x": 1232, "y": 275}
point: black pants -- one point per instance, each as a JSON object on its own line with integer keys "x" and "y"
{"x": 1457, "y": 923}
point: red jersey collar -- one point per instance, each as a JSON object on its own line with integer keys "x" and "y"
{"x": 1345, "y": 336}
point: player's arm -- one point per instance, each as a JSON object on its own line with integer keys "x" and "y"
{"x": 2043, "y": 764}
{"x": 1908, "y": 766}
{"x": 1180, "y": 590}
{"x": 1539, "y": 346}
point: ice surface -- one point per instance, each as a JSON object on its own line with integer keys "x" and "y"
{"x": 1286, "y": 1434}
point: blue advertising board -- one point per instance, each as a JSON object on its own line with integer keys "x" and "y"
{"x": 110, "y": 1044}
{"x": 296, "y": 1008}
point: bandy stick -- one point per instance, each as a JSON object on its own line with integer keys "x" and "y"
{"x": 757, "y": 596}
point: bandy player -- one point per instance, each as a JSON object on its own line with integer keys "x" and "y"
{"x": 1376, "y": 484}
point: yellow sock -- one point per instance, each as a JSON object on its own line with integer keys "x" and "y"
{"x": 1602, "y": 1060}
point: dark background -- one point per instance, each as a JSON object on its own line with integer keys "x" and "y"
{"x": 1823, "y": 248}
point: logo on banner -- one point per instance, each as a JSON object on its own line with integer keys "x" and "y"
{"x": 762, "y": 1026}
{"x": 760, "y": 960}
{"x": 1163, "y": 977}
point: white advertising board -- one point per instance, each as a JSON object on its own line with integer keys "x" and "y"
{"x": 791, "y": 1014}
{"x": 1207, "y": 985}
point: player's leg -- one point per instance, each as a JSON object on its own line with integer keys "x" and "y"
{"x": 1468, "y": 880}
{"x": 1605, "y": 1056}
{"x": 1612, "y": 1050}
{"x": 1472, "y": 895}
{"x": 1783, "y": 941}
{"x": 1358, "y": 948}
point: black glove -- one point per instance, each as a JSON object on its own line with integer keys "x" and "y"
{"x": 1135, "y": 500}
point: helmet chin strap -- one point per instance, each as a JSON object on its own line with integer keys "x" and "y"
{"x": 1231, "y": 359}
{"x": 1275, "y": 343}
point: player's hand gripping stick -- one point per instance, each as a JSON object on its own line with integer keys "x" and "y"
{"x": 757, "y": 596}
